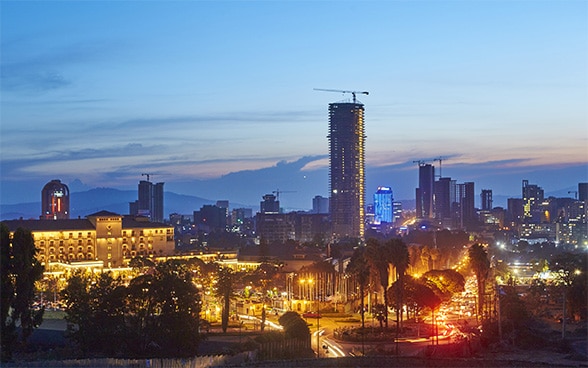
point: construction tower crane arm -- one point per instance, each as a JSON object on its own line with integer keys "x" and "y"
{"x": 277, "y": 193}
{"x": 353, "y": 93}
{"x": 147, "y": 175}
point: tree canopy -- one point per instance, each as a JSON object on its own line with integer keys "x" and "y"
{"x": 19, "y": 269}
{"x": 156, "y": 315}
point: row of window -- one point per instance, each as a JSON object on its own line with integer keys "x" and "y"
{"x": 70, "y": 235}
{"x": 69, "y": 257}
{"x": 62, "y": 243}
{"x": 70, "y": 249}
{"x": 144, "y": 232}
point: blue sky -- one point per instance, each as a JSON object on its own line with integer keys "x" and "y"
{"x": 196, "y": 90}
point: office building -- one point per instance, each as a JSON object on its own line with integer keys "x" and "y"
{"x": 383, "y": 199}
{"x": 347, "y": 169}
{"x": 445, "y": 198}
{"x": 211, "y": 218}
{"x": 397, "y": 210}
{"x": 150, "y": 202}
{"x": 583, "y": 192}
{"x": 320, "y": 204}
{"x": 424, "y": 193}
{"x": 533, "y": 196}
{"x": 486, "y": 198}
{"x": 55, "y": 201}
{"x": 269, "y": 204}
{"x": 467, "y": 204}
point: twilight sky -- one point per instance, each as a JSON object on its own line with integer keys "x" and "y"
{"x": 193, "y": 91}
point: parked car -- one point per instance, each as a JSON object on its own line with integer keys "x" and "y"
{"x": 311, "y": 315}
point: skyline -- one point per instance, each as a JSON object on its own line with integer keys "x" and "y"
{"x": 205, "y": 92}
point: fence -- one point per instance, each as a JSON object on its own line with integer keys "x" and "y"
{"x": 196, "y": 362}
{"x": 286, "y": 349}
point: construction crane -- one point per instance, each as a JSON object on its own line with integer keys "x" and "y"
{"x": 353, "y": 93}
{"x": 420, "y": 162}
{"x": 575, "y": 193}
{"x": 277, "y": 193}
{"x": 147, "y": 175}
{"x": 440, "y": 159}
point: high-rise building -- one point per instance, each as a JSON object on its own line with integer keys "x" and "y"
{"x": 397, "y": 206}
{"x": 212, "y": 217}
{"x": 157, "y": 209}
{"x": 486, "y": 197}
{"x": 320, "y": 204}
{"x": 347, "y": 169}
{"x": 55, "y": 201}
{"x": 444, "y": 198}
{"x": 583, "y": 192}
{"x": 532, "y": 198}
{"x": 150, "y": 202}
{"x": 424, "y": 193}
{"x": 467, "y": 204}
{"x": 383, "y": 199}
{"x": 269, "y": 204}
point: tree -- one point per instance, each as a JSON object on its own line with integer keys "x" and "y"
{"x": 294, "y": 326}
{"x": 398, "y": 253}
{"x": 445, "y": 282}
{"x": 480, "y": 265}
{"x": 571, "y": 273}
{"x": 359, "y": 268}
{"x": 225, "y": 290}
{"x": 378, "y": 255}
{"x": 20, "y": 270}
{"x": 156, "y": 315}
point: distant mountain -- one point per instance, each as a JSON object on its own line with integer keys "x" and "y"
{"x": 109, "y": 199}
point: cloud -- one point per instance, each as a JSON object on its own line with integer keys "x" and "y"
{"x": 31, "y": 67}
{"x": 33, "y": 81}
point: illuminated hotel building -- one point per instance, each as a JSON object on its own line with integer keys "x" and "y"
{"x": 55, "y": 201}
{"x": 347, "y": 169}
{"x": 103, "y": 238}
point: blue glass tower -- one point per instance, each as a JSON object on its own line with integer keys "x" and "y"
{"x": 383, "y": 209}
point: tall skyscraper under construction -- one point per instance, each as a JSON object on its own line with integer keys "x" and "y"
{"x": 347, "y": 168}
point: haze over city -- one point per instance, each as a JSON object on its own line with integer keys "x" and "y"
{"x": 216, "y": 99}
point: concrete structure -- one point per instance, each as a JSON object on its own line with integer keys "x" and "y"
{"x": 347, "y": 169}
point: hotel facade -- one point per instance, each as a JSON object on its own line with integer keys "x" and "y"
{"x": 103, "y": 237}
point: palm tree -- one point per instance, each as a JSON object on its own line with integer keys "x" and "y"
{"x": 379, "y": 257}
{"x": 359, "y": 268}
{"x": 480, "y": 265}
{"x": 399, "y": 257}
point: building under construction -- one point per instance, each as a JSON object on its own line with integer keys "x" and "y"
{"x": 347, "y": 168}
